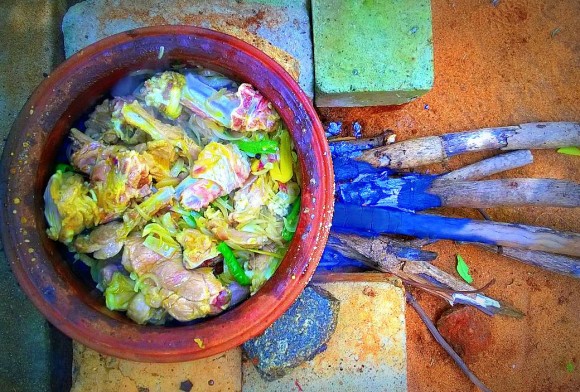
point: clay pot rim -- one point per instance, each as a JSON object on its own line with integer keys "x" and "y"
{"x": 27, "y": 248}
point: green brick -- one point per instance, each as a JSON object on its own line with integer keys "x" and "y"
{"x": 371, "y": 52}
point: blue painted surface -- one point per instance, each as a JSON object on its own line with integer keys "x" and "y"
{"x": 407, "y": 192}
{"x": 370, "y": 221}
{"x": 349, "y": 149}
{"x": 346, "y": 169}
{"x": 335, "y": 261}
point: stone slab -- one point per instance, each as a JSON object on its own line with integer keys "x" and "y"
{"x": 369, "y": 53}
{"x": 280, "y": 28}
{"x": 93, "y": 372}
{"x": 31, "y": 48}
{"x": 367, "y": 350}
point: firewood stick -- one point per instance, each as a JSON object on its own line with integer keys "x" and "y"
{"x": 345, "y": 148}
{"x": 423, "y": 151}
{"x": 489, "y": 166}
{"x": 420, "y": 192}
{"x": 371, "y": 221}
{"x": 507, "y": 192}
{"x": 377, "y": 255}
{"x": 565, "y": 265}
{"x": 344, "y": 153}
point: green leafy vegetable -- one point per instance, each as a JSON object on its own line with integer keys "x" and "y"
{"x": 570, "y": 367}
{"x": 119, "y": 292}
{"x": 190, "y": 218}
{"x": 64, "y": 167}
{"x": 569, "y": 150}
{"x": 233, "y": 265}
{"x": 463, "y": 269}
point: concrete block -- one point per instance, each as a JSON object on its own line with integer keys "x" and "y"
{"x": 95, "y": 372}
{"x": 369, "y": 53}
{"x": 30, "y": 50}
{"x": 295, "y": 337}
{"x": 280, "y": 28}
{"x": 367, "y": 350}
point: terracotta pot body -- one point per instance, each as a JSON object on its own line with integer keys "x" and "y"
{"x": 28, "y": 161}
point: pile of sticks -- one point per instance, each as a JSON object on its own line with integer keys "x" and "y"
{"x": 377, "y": 199}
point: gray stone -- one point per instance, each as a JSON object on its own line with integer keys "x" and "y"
{"x": 297, "y": 336}
{"x": 283, "y": 23}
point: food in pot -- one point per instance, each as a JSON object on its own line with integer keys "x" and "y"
{"x": 181, "y": 197}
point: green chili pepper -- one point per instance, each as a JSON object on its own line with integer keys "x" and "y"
{"x": 257, "y": 147}
{"x": 233, "y": 265}
{"x": 291, "y": 221}
{"x": 64, "y": 167}
{"x": 190, "y": 219}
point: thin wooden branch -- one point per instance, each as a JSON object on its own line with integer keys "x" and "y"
{"x": 377, "y": 254}
{"x": 422, "y": 151}
{"x": 565, "y": 265}
{"x": 345, "y": 148}
{"x": 371, "y": 221}
{"x": 489, "y": 166}
{"x": 443, "y": 343}
{"x": 416, "y": 192}
{"x": 507, "y": 192}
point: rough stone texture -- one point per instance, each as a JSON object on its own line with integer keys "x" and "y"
{"x": 467, "y": 330}
{"x": 369, "y": 53}
{"x": 30, "y": 47}
{"x": 367, "y": 350}
{"x": 295, "y": 337}
{"x": 95, "y": 372}
{"x": 280, "y": 28}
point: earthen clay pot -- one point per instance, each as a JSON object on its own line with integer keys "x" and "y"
{"x": 28, "y": 161}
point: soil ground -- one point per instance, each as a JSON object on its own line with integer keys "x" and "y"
{"x": 514, "y": 63}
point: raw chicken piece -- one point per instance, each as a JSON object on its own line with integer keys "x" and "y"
{"x": 244, "y": 110}
{"x": 219, "y": 169}
{"x": 186, "y": 294}
{"x": 102, "y": 241}
{"x": 117, "y": 175}
{"x": 248, "y": 201}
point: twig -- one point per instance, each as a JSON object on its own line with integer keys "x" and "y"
{"x": 371, "y": 221}
{"x": 422, "y": 151}
{"x": 378, "y": 255}
{"x": 507, "y": 192}
{"x": 443, "y": 343}
{"x": 489, "y": 166}
{"x": 565, "y": 265}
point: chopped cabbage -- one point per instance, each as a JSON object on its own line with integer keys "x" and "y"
{"x": 68, "y": 207}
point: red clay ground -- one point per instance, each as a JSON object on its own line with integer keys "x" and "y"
{"x": 515, "y": 63}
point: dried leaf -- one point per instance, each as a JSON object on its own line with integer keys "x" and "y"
{"x": 569, "y": 151}
{"x": 463, "y": 269}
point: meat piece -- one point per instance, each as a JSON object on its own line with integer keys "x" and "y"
{"x": 187, "y": 294}
{"x": 117, "y": 175}
{"x": 102, "y": 241}
{"x": 218, "y": 170}
{"x": 248, "y": 201}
